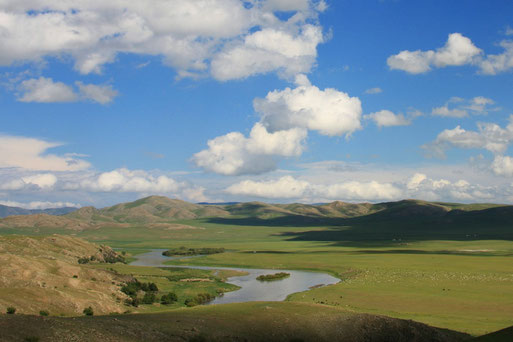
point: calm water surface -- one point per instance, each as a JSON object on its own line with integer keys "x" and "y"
{"x": 251, "y": 289}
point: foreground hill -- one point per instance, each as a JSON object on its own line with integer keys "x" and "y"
{"x": 9, "y": 211}
{"x": 260, "y": 321}
{"x": 44, "y": 274}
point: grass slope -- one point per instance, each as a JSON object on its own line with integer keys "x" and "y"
{"x": 259, "y": 321}
{"x": 42, "y": 273}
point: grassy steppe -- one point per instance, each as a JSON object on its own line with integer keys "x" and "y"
{"x": 414, "y": 260}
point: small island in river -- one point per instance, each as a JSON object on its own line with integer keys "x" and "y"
{"x": 272, "y": 277}
{"x": 184, "y": 251}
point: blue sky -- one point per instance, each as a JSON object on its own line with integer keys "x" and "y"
{"x": 272, "y": 100}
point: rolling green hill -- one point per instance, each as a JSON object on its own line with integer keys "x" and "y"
{"x": 394, "y": 217}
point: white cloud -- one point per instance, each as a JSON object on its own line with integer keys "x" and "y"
{"x": 478, "y": 105}
{"x": 422, "y": 187}
{"x": 44, "y": 181}
{"x": 40, "y": 204}
{"x": 234, "y": 154}
{"x": 46, "y": 90}
{"x": 285, "y": 187}
{"x": 458, "y": 50}
{"x": 489, "y": 136}
{"x": 509, "y": 31}
{"x": 269, "y": 50}
{"x": 503, "y": 166}
{"x": 376, "y": 90}
{"x": 360, "y": 191}
{"x": 494, "y": 64}
{"x": 451, "y": 113}
{"x": 30, "y": 153}
{"x": 415, "y": 181}
{"x": 329, "y": 111}
{"x": 290, "y": 187}
{"x": 134, "y": 181}
{"x": 187, "y": 34}
{"x": 124, "y": 180}
{"x": 102, "y": 94}
{"x": 386, "y": 118}
{"x": 286, "y": 117}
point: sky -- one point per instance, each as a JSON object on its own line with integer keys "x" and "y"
{"x": 279, "y": 101}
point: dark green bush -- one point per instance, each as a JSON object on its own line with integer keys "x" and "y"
{"x": 83, "y": 260}
{"x": 192, "y": 251}
{"x": 31, "y": 339}
{"x": 149, "y": 298}
{"x": 200, "y": 298}
{"x": 44, "y": 313}
{"x": 88, "y": 311}
{"x": 170, "y": 298}
{"x": 11, "y": 310}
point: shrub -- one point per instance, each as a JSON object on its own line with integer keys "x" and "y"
{"x": 153, "y": 287}
{"x": 170, "y": 298}
{"x": 149, "y": 298}
{"x": 132, "y": 301}
{"x": 88, "y": 311}
{"x": 75, "y": 276}
{"x": 271, "y": 277}
{"x": 44, "y": 313}
{"x": 11, "y": 310}
{"x": 31, "y": 339}
{"x": 200, "y": 298}
{"x": 83, "y": 260}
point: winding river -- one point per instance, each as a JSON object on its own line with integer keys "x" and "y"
{"x": 250, "y": 288}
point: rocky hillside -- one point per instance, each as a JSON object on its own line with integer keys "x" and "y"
{"x": 44, "y": 273}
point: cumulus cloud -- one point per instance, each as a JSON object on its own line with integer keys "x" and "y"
{"x": 478, "y": 105}
{"x": 286, "y": 117}
{"x": 39, "y": 204}
{"x": 234, "y": 154}
{"x": 489, "y": 136}
{"x": 30, "y": 153}
{"x": 267, "y": 50}
{"x": 290, "y": 187}
{"x": 329, "y": 111}
{"x": 285, "y": 187}
{"x": 124, "y": 180}
{"x": 494, "y": 64}
{"x": 45, "y": 181}
{"x": 102, "y": 94}
{"x": 503, "y": 166}
{"x": 458, "y": 50}
{"x": 240, "y": 38}
{"x": 386, "y": 118}
{"x": 423, "y": 187}
{"x": 376, "y": 90}
{"x": 133, "y": 181}
{"x": 45, "y": 90}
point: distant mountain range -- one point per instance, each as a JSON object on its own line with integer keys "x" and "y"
{"x": 9, "y": 211}
{"x": 381, "y": 219}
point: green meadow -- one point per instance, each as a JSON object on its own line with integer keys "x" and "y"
{"x": 460, "y": 282}
{"x": 446, "y": 265}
